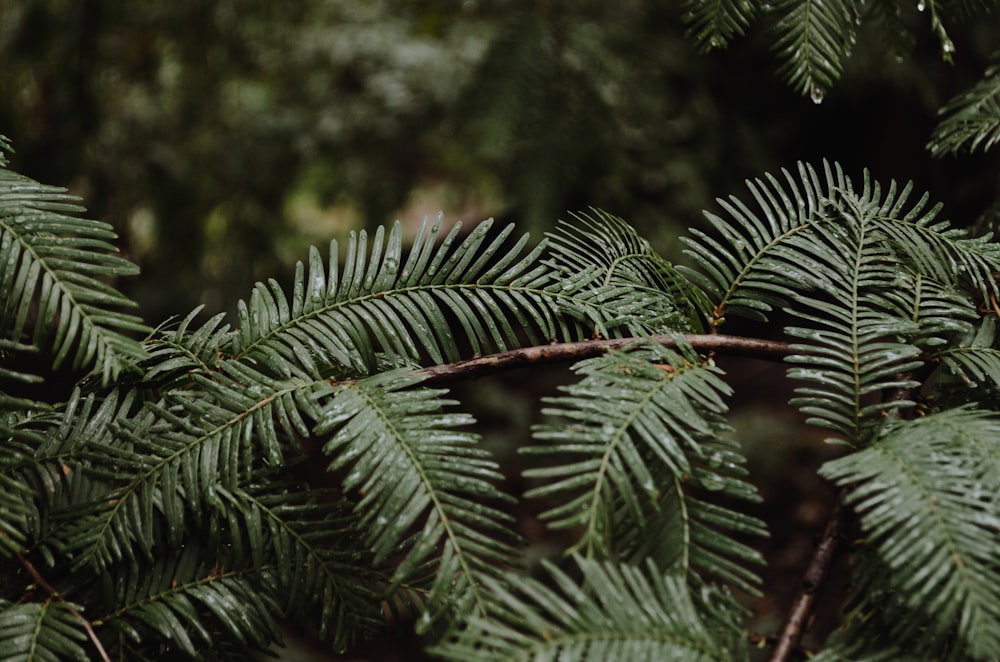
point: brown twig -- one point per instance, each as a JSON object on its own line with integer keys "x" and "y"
{"x": 811, "y": 585}
{"x": 575, "y": 351}
{"x": 48, "y": 588}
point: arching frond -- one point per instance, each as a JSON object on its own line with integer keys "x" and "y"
{"x": 853, "y": 347}
{"x": 52, "y": 270}
{"x": 171, "y": 457}
{"x": 734, "y": 270}
{"x": 623, "y": 265}
{"x": 425, "y": 487}
{"x": 46, "y": 631}
{"x": 713, "y": 23}
{"x": 970, "y": 121}
{"x": 638, "y": 451}
{"x": 309, "y": 553}
{"x": 813, "y": 38}
{"x": 181, "y": 352}
{"x": 875, "y": 278}
{"x": 382, "y": 309}
{"x": 193, "y": 607}
{"x": 926, "y": 493}
{"x": 617, "y": 612}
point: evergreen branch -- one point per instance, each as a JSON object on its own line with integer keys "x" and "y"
{"x": 814, "y": 38}
{"x": 970, "y": 121}
{"x": 426, "y": 486}
{"x": 929, "y": 566}
{"x": 51, "y": 266}
{"x": 713, "y": 24}
{"x": 642, "y": 430}
{"x": 617, "y": 611}
{"x": 771, "y": 350}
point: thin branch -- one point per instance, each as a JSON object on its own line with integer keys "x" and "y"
{"x": 811, "y": 586}
{"x": 40, "y": 581}
{"x": 575, "y": 351}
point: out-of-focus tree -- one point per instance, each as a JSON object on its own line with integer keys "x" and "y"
{"x": 221, "y": 137}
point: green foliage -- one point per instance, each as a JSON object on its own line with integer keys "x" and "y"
{"x": 207, "y": 487}
{"x": 971, "y": 120}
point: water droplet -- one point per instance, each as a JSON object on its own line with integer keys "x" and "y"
{"x": 948, "y": 46}
{"x": 816, "y": 95}
{"x": 921, "y": 5}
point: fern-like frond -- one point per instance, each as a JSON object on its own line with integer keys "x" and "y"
{"x": 167, "y": 461}
{"x": 407, "y": 308}
{"x": 854, "y": 346}
{"x": 46, "y": 631}
{"x": 477, "y": 294}
{"x": 638, "y": 453}
{"x": 622, "y": 266}
{"x": 970, "y": 121}
{"x": 194, "y": 607}
{"x": 310, "y": 554}
{"x": 426, "y": 488}
{"x": 617, "y": 612}
{"x": 181, "y": 352}
{"x": 877, "y": 278}
{"x": 713, "y": 23}
{"x": 926, "y": 492}
{"x": 813, "y": 38}
{"x": 733, "y": 269}
{"x": 52, "y": 292}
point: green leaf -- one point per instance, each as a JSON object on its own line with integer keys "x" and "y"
{"x": 970, "y": 121}
{"x": 617, "y": 612}
{"x": 52, "y": 271}
{"x": 926, "y": 493}
{"x": 425, "y": 486}
{"x": 712, "y": 25}
{"x": 47, "y": 631}
{"x": 813, "y": 38}
{"x": 637, "y": 444}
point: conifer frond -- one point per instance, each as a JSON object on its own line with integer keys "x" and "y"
{"x": 617, "y": 612}
{"x": 193, "y": 606}
{"x": 52, "y": 292}
{"x": 813, "y": 38}
{"x": 872, "y": 275}
{"x": 925, "y": 492}
{"x": 713, "y": 23}
{"x": 179, "y": 353}
{"x": 622, "y": 265}
{"x": 638, "y": 435}
{"x": 310, "y": 556}
{"x": 853, "y": 341}
{"x": 426, "y": 488}
{"x": 171, "y": 457}
{"x": 970, "y": 121}
{"x": 44, "y": 631}
{"x": 734, "y": 271}
{"x": 381, "y": 309}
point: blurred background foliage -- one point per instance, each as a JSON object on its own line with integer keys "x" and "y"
{"x": 222, "y": 137}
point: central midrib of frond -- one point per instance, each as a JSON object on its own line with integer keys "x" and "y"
{"x": 438, "y": 506}
{"x": 176, "y": 588}
{"x": 855, "y": 341}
